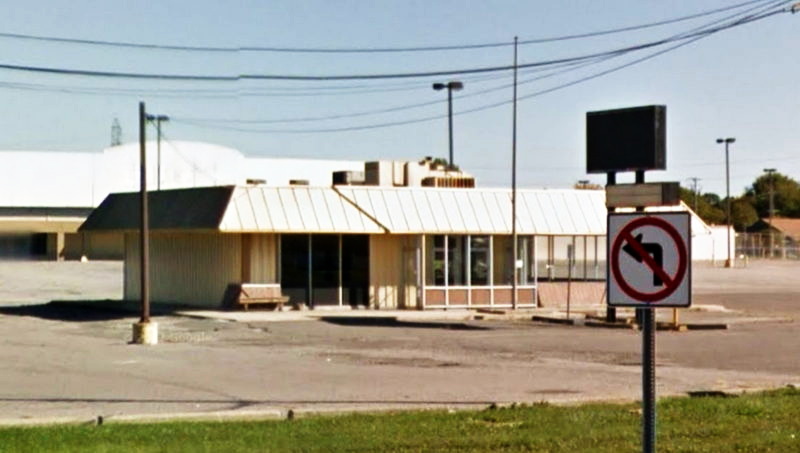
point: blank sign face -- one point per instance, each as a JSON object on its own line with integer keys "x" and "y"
{"x": 649, "y": 260}
{"x": 626, "y": 139}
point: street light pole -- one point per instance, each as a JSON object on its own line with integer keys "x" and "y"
{"x": 727, "y": 141}
{"x": 453, "y": 85}
{"x": 158, "y": 119}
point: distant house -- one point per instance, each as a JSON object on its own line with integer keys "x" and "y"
{"x": 777, "y": 238}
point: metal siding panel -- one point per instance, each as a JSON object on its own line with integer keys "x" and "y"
{"x": 382, "y": 212}
{"x": 504, "y": 210}
{"x": 260, "y": 210}
{"x": 194, "y": 268}
{"x": 582, "y": 213}
{"x": 471, "y": 224}
{"x": 275, "y": 209}
{"x": 438, "y": 211}
{"x": 244, "y": 206}
{"x": 482, "y": 216}
{"x": 294, "y": 221}
{"x": 424, "y": 211}
{"x": 321, "y": 212}
{"x": 524, "y": 221}
{"x": 336, "y": 210}
{"x": 543, "y": 213}
{"x": 396, "y": 211}
{"x": 565, "y": 212}
{"x": 308, "y": 215}
{"x": 362, "y": 199}
{"x": 411, "y": 213}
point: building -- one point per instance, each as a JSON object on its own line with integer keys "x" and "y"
{"x": 46, "y": 195}
{"x": 379, "y": 246}
{"x": 778, "y": 237}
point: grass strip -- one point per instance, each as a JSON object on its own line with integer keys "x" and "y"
{"x": 762, "y": 422}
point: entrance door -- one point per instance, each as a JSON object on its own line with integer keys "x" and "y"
{"x": 355, "y": 269}
{"x": 325, "y": 269}
{"x": 294, "y": 268}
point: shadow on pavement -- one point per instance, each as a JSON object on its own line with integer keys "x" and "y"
{"x": 73, "y": 311}
{"x": 391, "y": 321}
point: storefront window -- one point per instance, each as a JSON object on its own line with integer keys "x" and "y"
{"x": 479, "y": 260}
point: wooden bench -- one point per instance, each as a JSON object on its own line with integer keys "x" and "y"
{"x": 262, "y": 294}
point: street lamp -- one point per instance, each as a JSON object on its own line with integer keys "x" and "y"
{"x": 453, "y": 85}
{"x": 727, "y": 141}
{"x": 158, "y": 119}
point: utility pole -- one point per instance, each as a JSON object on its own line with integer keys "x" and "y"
{"x": 144, "y": 331}
{"x": 695, "y": 191}
{"x": 770, "y": 173}
{"x": 514, "y": 238}
{"x": 158, "y": 119}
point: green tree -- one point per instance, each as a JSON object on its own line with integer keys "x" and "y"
{"x": 743, "y": 214}
{"x": 708, "y": 206}
{"x": 787, "y": 195}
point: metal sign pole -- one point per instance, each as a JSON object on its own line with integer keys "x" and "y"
{"x": 648, "y": 379}
{"x": 647, "y": 319}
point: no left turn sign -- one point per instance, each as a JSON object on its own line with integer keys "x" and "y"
{"x": 649, "y": 260}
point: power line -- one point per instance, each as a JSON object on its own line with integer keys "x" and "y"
{"x": 291, "y": 77}
{"x": 569, "y": 67}
{"x": 224, "y": 49}
{"x": 685, "y": 39}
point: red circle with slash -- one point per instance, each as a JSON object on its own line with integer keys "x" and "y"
{"x": 671, "y": 283}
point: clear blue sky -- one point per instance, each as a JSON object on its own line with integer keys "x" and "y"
{"x": 740, "y": 82}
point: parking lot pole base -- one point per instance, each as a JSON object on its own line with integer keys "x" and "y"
{"x": 145, "y": 333}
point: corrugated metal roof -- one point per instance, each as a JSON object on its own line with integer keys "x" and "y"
{"x": 481, "y": 211}
{"x": 303, "y": 209}
{"x": 297, "y": 209}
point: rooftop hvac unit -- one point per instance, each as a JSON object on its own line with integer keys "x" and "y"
{"x": 378, "y": 173}
{"x": 459, "y": 182}
{"x": 348, "y": 178}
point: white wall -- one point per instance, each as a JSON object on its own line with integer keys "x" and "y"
{"x": 83, "y": 179}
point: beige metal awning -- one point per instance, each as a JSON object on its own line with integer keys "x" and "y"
{"x": 297, "y": 209}
{"x": 480, "y": 211}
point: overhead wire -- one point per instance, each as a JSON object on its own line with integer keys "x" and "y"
{"x": 326, "y": 77}
{"x": 356, "y": 50}
{"x": 684, "y": 39}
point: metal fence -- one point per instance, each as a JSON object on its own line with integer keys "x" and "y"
{"x": 766, "y": 245}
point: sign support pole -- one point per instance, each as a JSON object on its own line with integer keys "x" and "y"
{"x": 647, "y": 319}
{"x": 648, "y": 380}
{"x": 611, "y": 312}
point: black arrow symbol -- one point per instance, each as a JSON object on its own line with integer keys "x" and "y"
{"x": 652, "y": 248}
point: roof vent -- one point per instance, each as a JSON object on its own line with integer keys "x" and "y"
{"x": 255, "y": 181}
{"x": 298, "y": 182}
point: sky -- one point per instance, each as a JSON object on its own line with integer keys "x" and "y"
{"x": 740, "y": 82}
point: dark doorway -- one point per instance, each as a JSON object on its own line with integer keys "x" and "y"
{"x": 325, "y": 269}
{"x": 331, "y": 259}
{"x": 294, "y": 267}
{"x": 355, "y": 269}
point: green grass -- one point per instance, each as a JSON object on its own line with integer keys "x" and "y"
{"x": 764, "y": 422}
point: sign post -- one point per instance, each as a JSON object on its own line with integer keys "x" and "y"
{"x": 649, "y": 267}
{"x": 649, "y": 256}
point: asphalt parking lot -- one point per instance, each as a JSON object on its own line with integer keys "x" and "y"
{"x": 61, "y": 360}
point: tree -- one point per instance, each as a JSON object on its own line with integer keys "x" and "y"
{"x": 743, "y": 214}
{"x": 708, "y": 206}
{"x": 786, "y": 193}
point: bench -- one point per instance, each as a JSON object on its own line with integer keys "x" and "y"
{"x": 261, "y": 294}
